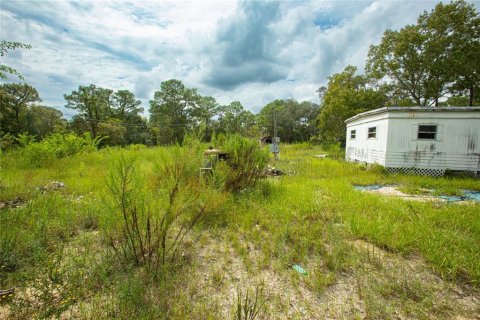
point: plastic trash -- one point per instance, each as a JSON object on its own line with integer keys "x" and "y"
{"x": 299, "y": 269}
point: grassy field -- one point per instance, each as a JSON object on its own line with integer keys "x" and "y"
{"x": 364, "y": 255}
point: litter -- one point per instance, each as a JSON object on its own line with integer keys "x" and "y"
{"x": 271, "y": 171}
{"x": 11, "y": 203}
{"x": 53, "y": 186}
{"x": 299, "y": 269}
{"x": 320, "y": 155}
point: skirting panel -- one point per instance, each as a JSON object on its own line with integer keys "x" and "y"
{"x": 429, "y": 172}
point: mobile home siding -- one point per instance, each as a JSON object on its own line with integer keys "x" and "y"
{"x": 362, "y": 148}
{"x": 452, "y": 139}
{"x": 456, "y": 147}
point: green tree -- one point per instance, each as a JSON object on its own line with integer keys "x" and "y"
{"x": 126, "y": 108}
{"x": 400, "y": 57}
{"x": 204, "y": 112}
{"x": 42, "y": 121}
{"x": 124, "y": 103}
{"x": 114, "y": 132}
{"x": 296, "y": 121}
{"x": 171, "y": 111}
{"x": 347, "y": 94}
{"x": 435, "y": 57}
{"x": 15, "y": 99}
{"x": 93, "y": 105}
{"x": 233, "y": 118}
{"x": 4, "y": 47}
{"x": 453, "y": 45}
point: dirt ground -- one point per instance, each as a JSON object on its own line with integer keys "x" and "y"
{"x": 220, "y": 272}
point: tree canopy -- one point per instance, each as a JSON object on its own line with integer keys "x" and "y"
{"x": 346, "y": 95}
{"x": 5, "y": 46}
{"x": 433, "y": 58}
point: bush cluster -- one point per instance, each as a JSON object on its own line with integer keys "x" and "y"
{"x": 56, "y": 146}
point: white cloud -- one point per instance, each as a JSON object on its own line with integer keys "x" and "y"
{"x": 137, "y": 45}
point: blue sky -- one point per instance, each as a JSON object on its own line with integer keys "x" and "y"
{"x": 251, "y": 51}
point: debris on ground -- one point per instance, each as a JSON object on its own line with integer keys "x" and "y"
{"x": 299, "y": 269}
{"x": 320, "y": 155}
{"x": 15, "y": 203}
{"x": 371, "y": 187}
{"x": 271, "y": 171}
{"x": 53, "y": 186}
{"x": 393, "y": 191}
{"x": 5, "y": 294}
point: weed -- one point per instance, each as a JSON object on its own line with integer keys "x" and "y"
{"x": 248, "y": 307}
{"x": 146, "y": 236}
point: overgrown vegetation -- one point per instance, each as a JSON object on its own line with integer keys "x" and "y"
{"x": 150, "y": 230}
{"x": 245, "y": 163}
{"x": 137, "y": 233}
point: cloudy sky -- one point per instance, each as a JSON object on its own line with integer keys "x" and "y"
{"x": 251, "y": 51}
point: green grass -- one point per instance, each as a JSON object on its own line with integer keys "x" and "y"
{"x": 309, "y": 217}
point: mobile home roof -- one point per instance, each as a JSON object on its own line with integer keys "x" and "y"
{"x": 412, "y": 109}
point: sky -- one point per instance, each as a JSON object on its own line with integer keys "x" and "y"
{"x": 250, "y": 51}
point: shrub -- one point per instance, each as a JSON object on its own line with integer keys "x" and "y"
{"x": 7, "y": 142}
{"x": 244, "y": 165}
{"x": 57, "y": 146}
{"x": 149, "y": 226}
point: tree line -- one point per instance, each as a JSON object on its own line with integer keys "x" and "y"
{"x": 174, "y": 111}
{"x": 435, "y": 62}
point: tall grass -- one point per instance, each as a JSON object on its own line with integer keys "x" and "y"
{"x": 311, "y": 216}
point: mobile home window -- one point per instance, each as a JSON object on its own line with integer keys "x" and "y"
{"x": 353, "y": 134}
{"x": 372, "y": 133}
{"x": 427, "y": 132}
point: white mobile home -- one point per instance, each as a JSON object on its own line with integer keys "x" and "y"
{"x": 416, "y": 139}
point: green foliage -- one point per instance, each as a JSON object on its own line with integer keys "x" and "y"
{"x": 25, "y": 139}
{"x": 436, "y": 56}
{"x": 248, "y": 307}
{"x": 42, "y": 121}
{"x": 57, "y": 146}
{"x": 234, "y": 119}
{"x": 103, "y": 112}
{"x": 92, "y": 103}
{"x": 245, "y": 163}
{"x": 171, "y": 110}
{"x": 347, "y": 94}
{"x": 296, "y": 121}
{"x": 5, "y": 46}
{"x": 150, "y": 231}
{"x": 15, "y": 101}
{"x": 63, "y": 266}
{"x": 7, "y": 141}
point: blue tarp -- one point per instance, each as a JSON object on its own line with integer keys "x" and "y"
{"x": 370, "y": 187}
{"x": 471, "y": 195}
{"x": 468, "y": 195}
